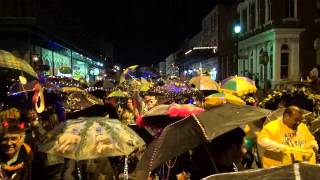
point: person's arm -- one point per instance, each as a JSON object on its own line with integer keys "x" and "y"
{"x": 265, "y": 141}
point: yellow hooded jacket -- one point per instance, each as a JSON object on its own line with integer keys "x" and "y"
{"x": 281, "y": 143}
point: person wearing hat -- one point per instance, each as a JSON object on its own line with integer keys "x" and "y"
{"x": 15, "y": 155}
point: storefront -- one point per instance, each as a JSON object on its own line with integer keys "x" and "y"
{"x": 209, "y": 66}
{"x": 69, "y": 64}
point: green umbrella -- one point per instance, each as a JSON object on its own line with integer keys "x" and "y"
{"x": 117, "y": 93}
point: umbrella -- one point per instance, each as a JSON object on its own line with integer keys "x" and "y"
{"x": 15, "y": 66}
{"x": 76, "y": 99}
{"x": 162, "y": 115}
{"x": 219, "y": 98}
{"x": 293, "y": 171}
{"x": 117, "y": 93}
{"x": 204, "y": 83}
{"x": 127, "y": 72}
{"x": 65, "y": 82}
{"x": 104, "y": 84}
{"x": 189, "y": 133}
{"x": 91, "y": 138}
{"x": 239, "y": 85}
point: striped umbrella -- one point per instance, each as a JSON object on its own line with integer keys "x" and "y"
{"x": 16, "y": 65}
{"x": 238, "y": 85}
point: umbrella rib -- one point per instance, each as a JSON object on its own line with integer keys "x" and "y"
{"x": 201, "y": 127}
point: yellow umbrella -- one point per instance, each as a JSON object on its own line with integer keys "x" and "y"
{"x": 117, "y": 93}
{"x": 220, "y": 98}
{"x": 9, "y": 61}
{"x": 238, "y": 85}
{"x": 126, "y": 71}
{"x": 203, "y": 82}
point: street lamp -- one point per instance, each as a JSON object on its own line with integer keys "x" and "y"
{"x": 237, "y": 31}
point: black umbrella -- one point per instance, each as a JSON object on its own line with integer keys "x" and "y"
{"x": 293, "y": 171}
{"x": 189, "y": 133}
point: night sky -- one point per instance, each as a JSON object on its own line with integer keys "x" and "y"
{"x": 142, "y": 31}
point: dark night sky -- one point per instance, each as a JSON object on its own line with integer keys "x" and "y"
{"x": 142, "y": 31}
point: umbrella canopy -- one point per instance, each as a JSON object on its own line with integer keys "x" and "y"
{"x": 204, "y": 83}
{"x": 189, "y": 133}
{"x": 239, "y": 85}
{"x": 162, "y": 115}
{"x": 15, "y": 65}
{"x": 91, "y": 138}
{"x": 118, "y": 93}
{"x": 293, "y": 171}
{"x": 219, "y": 98}
{"x": 104, "y": 84}
{"x": 76, "y": 99}
{"x": 126, "y": 72}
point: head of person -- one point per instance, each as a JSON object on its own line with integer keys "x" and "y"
{"x": 313, "y": 74}
{"x": 130, "y": 104}
{"x": 11, "y": 139}
{"x": 292, "y": 117}
{"x": 229, "y": 147}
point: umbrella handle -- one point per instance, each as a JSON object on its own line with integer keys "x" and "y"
{"x": 211, "y": 159}
{"x": 78, "y": 167}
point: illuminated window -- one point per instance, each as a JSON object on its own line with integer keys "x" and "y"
{"x": 284, "y": 66}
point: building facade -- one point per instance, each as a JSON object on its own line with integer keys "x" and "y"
{"x": 212, "y": 49}
{"x": 279, "y": 39}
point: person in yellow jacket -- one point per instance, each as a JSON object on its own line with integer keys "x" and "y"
{"x": 286, "y": 140}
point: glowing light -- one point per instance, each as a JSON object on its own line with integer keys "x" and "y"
{"x": 237, "y": 29}
{"x": 189, "y": 51}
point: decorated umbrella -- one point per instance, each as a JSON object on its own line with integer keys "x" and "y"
{"x": 293, "y": 171}
{"x": 76, "y": 99}
{"x": 189, "y": 133}
{"x": 220, "y": 98}
{"x": 203, "y": 82}
{"x": 12, "y": 66}
{"x": 64, "y": 82}
{"x": 238, "y": 85}
{"x": 163, "y": 115}
{"x": 91, "y": 138}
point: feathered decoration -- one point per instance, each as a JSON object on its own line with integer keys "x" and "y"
{"x": 183, "y": 110}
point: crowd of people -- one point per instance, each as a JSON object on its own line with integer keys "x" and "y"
{"x": 285, "y": 140}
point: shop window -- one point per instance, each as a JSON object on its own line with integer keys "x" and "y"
{"x": 284, "y": 66}
{"x": 289, "y": 8}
